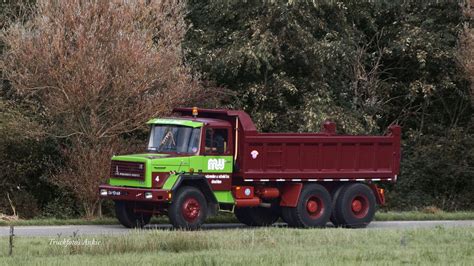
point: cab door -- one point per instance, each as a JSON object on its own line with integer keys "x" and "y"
{"x": 217, "y": 157}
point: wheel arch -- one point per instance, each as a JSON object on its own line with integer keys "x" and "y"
{"x": 199, "y": 182}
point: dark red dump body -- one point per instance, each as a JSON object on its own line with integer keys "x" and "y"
{"x": 323, "y": 156}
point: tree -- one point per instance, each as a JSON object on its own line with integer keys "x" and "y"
{"x": 97, "y": 70}
{"x": 291, "y": 65}
{"x": 466, "y": 47}
{"x": 365, "y": 65}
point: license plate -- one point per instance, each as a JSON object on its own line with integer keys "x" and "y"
{"x": 115, "y": 193}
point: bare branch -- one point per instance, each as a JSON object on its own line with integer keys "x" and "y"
{"x": 99, "y": 69}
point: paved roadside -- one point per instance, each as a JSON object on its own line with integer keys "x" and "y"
{"x": 71, "y": 230}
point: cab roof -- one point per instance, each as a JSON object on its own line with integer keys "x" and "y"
{"x": 190, "y": 121}
{"x": 231, "y": 116}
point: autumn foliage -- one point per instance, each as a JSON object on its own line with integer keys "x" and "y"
{"x": 98, "y": 70}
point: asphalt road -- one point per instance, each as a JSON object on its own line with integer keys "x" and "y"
{"x": 72, "y": 230}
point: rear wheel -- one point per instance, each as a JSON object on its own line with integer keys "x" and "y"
{"x": 188, "y": 209}
{"x": 256, "y": 216}
{"x": 286, "y": 218}
{"x": 335, "y": 194}
{"x": 354, "y": 206}
{"x": 128, "y": 218}
{"x": 312, "y": 210}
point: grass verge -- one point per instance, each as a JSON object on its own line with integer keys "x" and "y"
{"x": 229, "y": 218}
{"x": 423, "y": 216}
{"x": 264, "y": 246}
{"x": 221, "y": 218}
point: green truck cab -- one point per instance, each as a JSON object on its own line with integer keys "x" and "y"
{"x": 189, "y": 154}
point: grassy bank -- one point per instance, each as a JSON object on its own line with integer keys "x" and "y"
{"x": 423, "y": 216}
{"x": 229, "y": 218}
{"x": 221, "y": 218}
{"x": 265, "y": 246}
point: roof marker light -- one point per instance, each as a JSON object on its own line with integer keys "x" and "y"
{"x": 195, "y": 111}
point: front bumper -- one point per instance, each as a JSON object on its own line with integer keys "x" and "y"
{"x": 134, "y": 194}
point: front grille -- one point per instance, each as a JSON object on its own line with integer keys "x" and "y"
{"x": 128, "y": 170}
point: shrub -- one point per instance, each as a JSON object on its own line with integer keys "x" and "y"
{"x": 436, "y": 171}
{"x": 98, "y": 70}
{"x": 63, "y": 206}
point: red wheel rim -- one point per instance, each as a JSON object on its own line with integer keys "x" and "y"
{"x": 191, "y": 209}
{"x": 314, "y": 207}
{"x": 360, "y": 206}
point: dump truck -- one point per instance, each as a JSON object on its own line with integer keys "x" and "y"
{"x": 202, "y": 161}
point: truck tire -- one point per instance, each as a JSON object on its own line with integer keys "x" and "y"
{"x": 354, "y": 206}
{"x": 129, "y": 219}
{"x": 188, "y": 209}
{"x": 335, "y": 194}
{"x": 285, "y": 216}
{"x": 256, "y": 216}
{"x": 312, "y": 210}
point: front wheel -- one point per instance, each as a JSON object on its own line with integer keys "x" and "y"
{"x": 188, "y": 209}
{"x": 128, "y": 218}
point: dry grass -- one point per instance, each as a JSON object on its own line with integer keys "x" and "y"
{"x": 266, "y": 246}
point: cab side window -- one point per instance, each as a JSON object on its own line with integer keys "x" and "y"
{"x": 216, "y": 141}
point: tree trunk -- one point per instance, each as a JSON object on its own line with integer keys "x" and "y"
{"x": 99, "y": 209}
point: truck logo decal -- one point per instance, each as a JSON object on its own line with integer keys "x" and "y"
{"x": 215, "y": 164}
{"x": 254, "y": 154}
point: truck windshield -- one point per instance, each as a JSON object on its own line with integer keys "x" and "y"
{"x": 174, "y": 139}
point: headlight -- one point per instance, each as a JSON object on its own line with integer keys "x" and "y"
{"x": 103, "y": 192}
{"x": 148, "y": 195}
